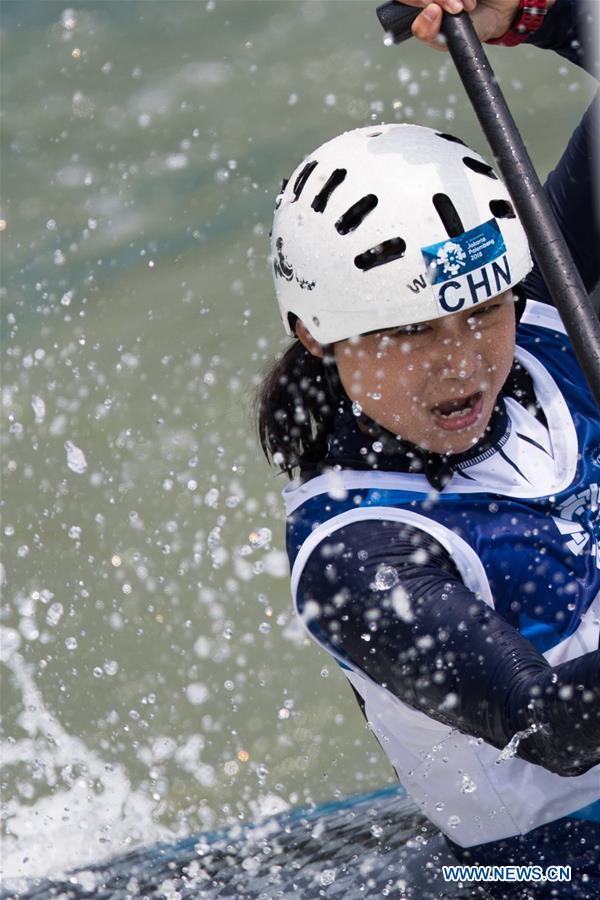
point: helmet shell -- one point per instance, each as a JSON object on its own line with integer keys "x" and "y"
{"x": 391, "y": 225}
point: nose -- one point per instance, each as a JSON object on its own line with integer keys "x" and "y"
{"x": 457, "y": 353}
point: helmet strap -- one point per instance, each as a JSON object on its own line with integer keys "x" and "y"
{"x": 520, "y": 300}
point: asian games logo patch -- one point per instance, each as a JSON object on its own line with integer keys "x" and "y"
{"x": 579, "y": 520}
{"x": 469, "y": 268}
{"x": 451, "y": 258}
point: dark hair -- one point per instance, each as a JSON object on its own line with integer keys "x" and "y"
{"x": 294, "y": 407}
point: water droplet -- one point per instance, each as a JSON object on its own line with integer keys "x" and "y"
{"x": 251, "y": 864}
{"x": 468, "y": 785}
{"x": 401, "y": 604}
{"x": 327, "y": 876}
{"x": 54, "y": 614}
{"x": 260, "y": 537}
{"x": 39, "y": 408}
{"x": 197, "y": 693}
{"x": 386, "y": 577}
{"x": 76, "y": 460}
{"x": 214, "y": 538}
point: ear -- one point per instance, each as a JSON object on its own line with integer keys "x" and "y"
{"x": 308, "y": 341}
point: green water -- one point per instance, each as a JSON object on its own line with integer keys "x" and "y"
{"x": 154, "y": 682}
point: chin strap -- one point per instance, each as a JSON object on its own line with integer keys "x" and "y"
{"x": 520, "y": 300}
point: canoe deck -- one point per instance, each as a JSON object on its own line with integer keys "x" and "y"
{"x": 373, "y": 845}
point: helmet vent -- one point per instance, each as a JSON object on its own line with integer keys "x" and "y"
{"x": 482, "y": 168}
{"x": 352, "y": 218}
{"x": 451, "y": 138}
{"x": 322, "y": 198}
{"x": 284, "y": 184}
{"x": 381, "y": 254}
{"x": 302, "y": 179}
{"x": 447, "y": 212}
{"x": 502, "y": 209}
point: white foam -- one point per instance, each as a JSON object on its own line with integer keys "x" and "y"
{"x": 91, "y": 817}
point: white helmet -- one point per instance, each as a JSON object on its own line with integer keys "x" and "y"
{"x": 391, "y": 225}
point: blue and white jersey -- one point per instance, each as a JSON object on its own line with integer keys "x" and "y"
{"x": 521, "y": 523}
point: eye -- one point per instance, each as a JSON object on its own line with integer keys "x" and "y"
{"x": 410, "y": 330}
{"x": 482, "y": 313}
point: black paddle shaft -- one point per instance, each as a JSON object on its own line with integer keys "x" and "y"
{"x": 547, "y": 243}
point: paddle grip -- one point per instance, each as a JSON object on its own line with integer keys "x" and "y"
{"x": 396, "y": 20}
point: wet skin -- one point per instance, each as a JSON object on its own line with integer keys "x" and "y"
{"x": 434, "y": 384}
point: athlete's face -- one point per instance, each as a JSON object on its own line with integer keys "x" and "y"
{"x": 434, "y": 384}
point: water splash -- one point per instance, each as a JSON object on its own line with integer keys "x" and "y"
{"x": 512, "y": 747}
{"x": 75, "y": 824}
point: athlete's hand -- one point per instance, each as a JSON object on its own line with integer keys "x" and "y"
{"x": 491, "y": 18}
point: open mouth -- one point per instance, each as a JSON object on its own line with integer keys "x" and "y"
{"x": 460, "y": 412}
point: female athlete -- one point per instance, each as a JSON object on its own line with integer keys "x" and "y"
{"x": 444, "y": 514}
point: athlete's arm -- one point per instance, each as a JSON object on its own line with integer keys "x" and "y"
{"x": 570, "y": 29}
{"x": 387, "y": 597}
{"x": 570, "y": 191}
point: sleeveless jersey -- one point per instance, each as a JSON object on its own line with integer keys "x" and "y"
{"x": 521, "y": 522}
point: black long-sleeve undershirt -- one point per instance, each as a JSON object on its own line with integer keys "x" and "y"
{"x": 571, "y": 29}
{"x": 433, "y": 644}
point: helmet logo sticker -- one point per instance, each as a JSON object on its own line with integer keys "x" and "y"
{"x": 418, "y": 284}
{"x": 281, "y": 266}
{"x": 471, "y": 268}
{"x": 283, "y": 269}
{"x": 306, "y": 285}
